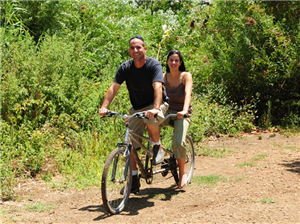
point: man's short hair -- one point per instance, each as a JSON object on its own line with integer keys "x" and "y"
{"x": 138, "y": 37}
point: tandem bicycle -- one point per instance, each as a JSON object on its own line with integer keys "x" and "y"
{"x": 117, "y": 176}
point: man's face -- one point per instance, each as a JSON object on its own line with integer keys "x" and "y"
{"x": 137, "y": 50}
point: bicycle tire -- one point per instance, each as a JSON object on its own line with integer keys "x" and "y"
{"x": 174, "y": 167}
{"x": 190, "y": 158}
{"x": 114, "y": 187}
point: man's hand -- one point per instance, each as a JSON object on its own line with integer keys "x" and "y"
{"x": 151, "y": 113}
{"x": 103, "y": 111}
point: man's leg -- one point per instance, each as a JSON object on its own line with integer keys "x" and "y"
{"x": 135, "y": 186}
{"x": 154, "y": 132}
{"x": 158, "y": 153}
{"x": 138, "y": 126}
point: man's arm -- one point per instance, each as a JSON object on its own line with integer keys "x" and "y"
{"x": 112, "y": 91}
{"x": 157, "y": 86}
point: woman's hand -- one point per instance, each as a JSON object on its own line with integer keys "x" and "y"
{"x": 180, "y": 114}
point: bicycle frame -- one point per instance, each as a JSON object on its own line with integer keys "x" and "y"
{"x": 129, "y": 138}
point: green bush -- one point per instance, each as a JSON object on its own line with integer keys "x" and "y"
{"x": 254, "y": 55}
{"x": 213, "y": 116}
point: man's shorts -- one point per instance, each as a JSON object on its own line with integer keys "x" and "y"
{"x": 137, "y": 125}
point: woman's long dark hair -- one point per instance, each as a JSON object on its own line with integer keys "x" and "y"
{"x": 182, "y": 66}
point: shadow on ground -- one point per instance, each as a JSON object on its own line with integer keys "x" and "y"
{"x": 137, "y": 202}
{"x": 292, "y": 166}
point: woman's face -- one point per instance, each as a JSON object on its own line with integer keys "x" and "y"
{"x": 174, "y": 62}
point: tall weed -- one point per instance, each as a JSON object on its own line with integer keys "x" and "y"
{"x": 212, "y": 117}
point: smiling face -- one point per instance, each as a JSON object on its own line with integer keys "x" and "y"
{"x": 137, "y": 50}
{"x": 174, "y": 62}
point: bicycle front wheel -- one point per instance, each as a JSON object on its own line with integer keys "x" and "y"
{"x": 189, "y": 158}
{"x": 116, "y": 181}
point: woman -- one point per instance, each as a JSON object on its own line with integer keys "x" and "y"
{"x": 178, "y": 85}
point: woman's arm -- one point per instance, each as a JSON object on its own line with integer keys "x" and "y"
{"x": 188, "y": 83}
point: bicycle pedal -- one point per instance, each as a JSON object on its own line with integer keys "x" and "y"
{"x": 165, "y": 163}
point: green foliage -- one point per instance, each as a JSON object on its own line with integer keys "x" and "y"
{"x": 281, "y": 11}
{"x": 212, "y": 116}
{"x": 254, "y": 55}
{"x": 154, "y": 6}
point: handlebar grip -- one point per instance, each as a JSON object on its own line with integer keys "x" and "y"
{"x": 110, "y": 113}
{"x": 140, "y": 115}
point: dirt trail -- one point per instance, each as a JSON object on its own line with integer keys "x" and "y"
{"x": 261, "y": 185}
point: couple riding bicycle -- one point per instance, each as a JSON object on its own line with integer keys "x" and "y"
{"x": 144, "y": 80}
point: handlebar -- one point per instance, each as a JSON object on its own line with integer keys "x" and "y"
{"x": 175, "y": 116}
{"x": 125, "y": 116}
{"x": 139, "y": 115}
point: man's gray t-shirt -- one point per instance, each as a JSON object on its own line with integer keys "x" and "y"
{"x": 139, "y": 81}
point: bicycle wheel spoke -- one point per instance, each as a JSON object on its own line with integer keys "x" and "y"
{"x": 116, "y": 182}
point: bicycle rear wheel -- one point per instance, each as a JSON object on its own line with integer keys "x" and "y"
{"x": 190, "y": 158}
{"x": 116, "y": 181}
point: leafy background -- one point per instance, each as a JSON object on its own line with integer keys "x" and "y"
{"x": 59, "y": 57}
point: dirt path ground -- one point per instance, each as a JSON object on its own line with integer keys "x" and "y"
{"x": 258, "y": 183}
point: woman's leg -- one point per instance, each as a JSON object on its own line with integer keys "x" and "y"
{"x": 180, "y": 131}
{"x": 182, "y": 176}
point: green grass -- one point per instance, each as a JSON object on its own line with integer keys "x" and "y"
{"x": 252, "y": 161}
{"x": 209, "y": 181}
{"x": 297, "y": 149}
{"x": 294, "y": 148}
{"x": 245, "y": 164}
{"x": 39, "y": 207}
{"x": 272, "y": 135}
{"x": 259, "y": 157}
{"x": 3, "y": 212}
{"x": 277, "y": 145}
{"x": 217, "y": 152}
{"x": 166, "y": 195}
{"x": 290, "y": 131}
{"x": 9, "y": 214}
{"x": 267, "y": 201}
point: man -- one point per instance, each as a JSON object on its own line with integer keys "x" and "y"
{"x": 144, "y": 78}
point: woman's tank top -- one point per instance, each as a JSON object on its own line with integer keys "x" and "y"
{"x": 176, "y": 96}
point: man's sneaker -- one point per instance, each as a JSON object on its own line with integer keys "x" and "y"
{"x": 135, "y": 185}
{"x": 158, "y": 155}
